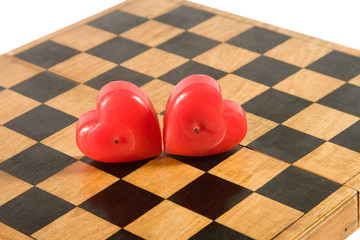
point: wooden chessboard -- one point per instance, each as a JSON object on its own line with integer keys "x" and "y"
{"x": 294, "y": 176}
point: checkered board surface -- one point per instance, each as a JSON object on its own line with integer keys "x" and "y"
{"x": 295, "y": 175}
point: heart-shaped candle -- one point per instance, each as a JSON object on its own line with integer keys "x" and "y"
{"x": 198, "y": 122}
{"x": 123, "y": 128}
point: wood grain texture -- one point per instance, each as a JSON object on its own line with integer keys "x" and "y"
{"x": 154, "y": 62}
{"x": 84, "y": 37}
{"x": 158, "y": 92}
{"x": 298, "y": 52}
{"x": 82, "y": 95}
{"x": 149, "y": 8}
{"x": 11, "y": 187}
{"x": 339, "y": 225}
{"x": 259, "y": 217}
{"x": 14, "y": 70}
{"x": 309, "y": 85}
{"x": 320, "y": 121}
{"x": 354, "y": 182}
{"x": 82, "y": 67}
{"x": 220, "y": 28}
{"x": 249, "y": 169}
{"x": 168, "y": 221}
{"x": 318, "y": 216}
{"x": 332, "y": 161}
{"x": 64, "y": 141}
{"x": 355, "y": 80}
{"x": 79, "y": 224}
{"x": 241, "y": 89}
{"x": 257, "y": 126}
{"x": 77, "y": 182}
{"x": 302, "y": 36}
{"x": 156, "y": 8}
{"x": 15, "y": 105}
{"x": 163, "y": 176}
{"x": 152, "y": 33}
{"x": 241, "y": 174}
{"x": 13, "y": 143}
{"x": 226, "y": 57}
{"x": 9, "y": 233}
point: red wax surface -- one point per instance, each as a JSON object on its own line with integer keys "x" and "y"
{"x": 123, "y": 128}
{"x": 198, "y": 122}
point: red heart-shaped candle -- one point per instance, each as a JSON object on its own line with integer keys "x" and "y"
{"x": 123, "y": 128}
{"x": 198, "y": 122}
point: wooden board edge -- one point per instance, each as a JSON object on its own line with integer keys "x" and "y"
{"x": 340, "y": 223}
{"x": 336, "y": 217}
{"x": 305, "y": 37}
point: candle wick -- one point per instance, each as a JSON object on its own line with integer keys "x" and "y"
{"x": 116, "y": 141}
{"x": 196, "y": 130}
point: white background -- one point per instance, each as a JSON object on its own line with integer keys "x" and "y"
{"x": 22, "y": 21}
